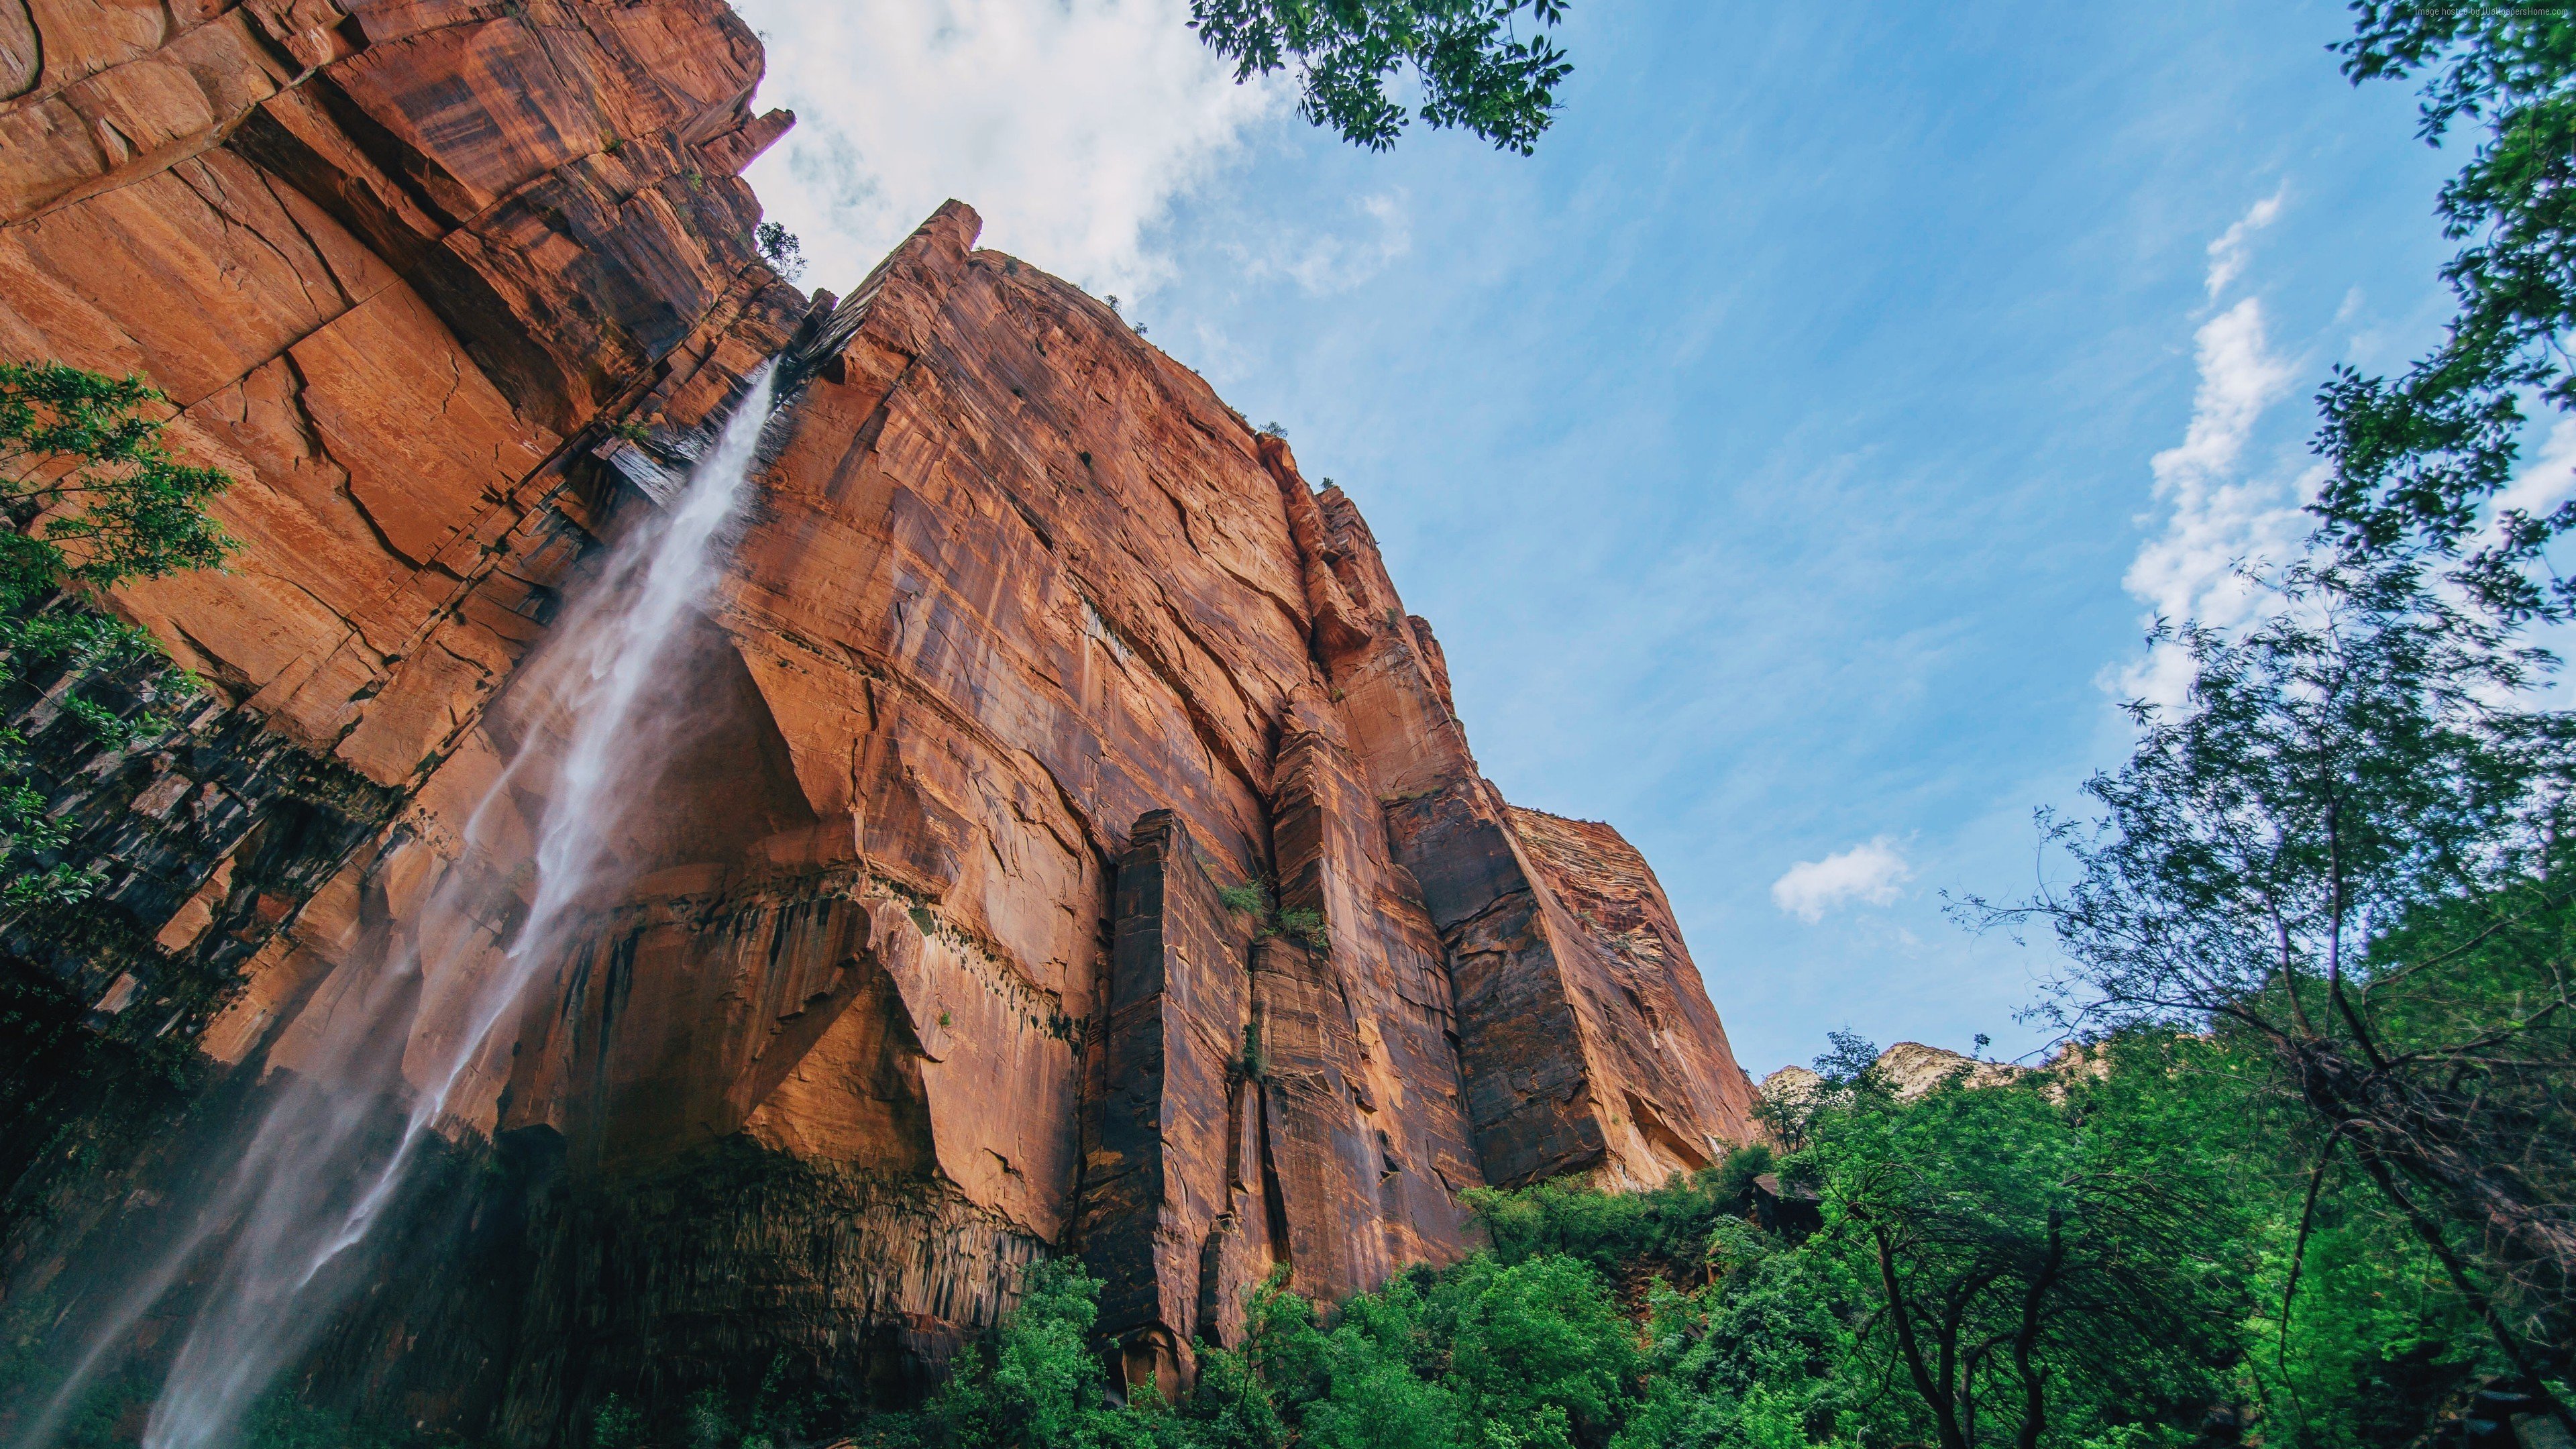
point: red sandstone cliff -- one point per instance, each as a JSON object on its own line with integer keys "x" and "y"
{"x": 1031, "y": 649}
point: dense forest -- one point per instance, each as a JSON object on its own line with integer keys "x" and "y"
{"x": 2130, "y": 1249}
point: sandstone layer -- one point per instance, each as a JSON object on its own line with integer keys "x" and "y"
{"x": 938, "y": 955}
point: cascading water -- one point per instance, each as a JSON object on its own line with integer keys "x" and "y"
{"x": 322, "y": 1166}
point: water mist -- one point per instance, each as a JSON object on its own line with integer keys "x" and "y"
{"x": 326, "y": 1161}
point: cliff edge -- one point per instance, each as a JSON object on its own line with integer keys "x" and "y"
{"x": 1032, "y": 656}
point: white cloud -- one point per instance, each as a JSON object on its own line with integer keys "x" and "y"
{"x": 2215, "y": 517}
{"x": 1869, "y": 874}
{"x": 2218, "y": 518}
{"x": 2548, "y": 480}
{"x": 1326, "y": 263}
{"x": 2227, "y": 254}
{"x": 1071, "y": 125}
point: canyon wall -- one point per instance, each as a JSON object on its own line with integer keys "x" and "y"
{"x": 1077, "y": 848}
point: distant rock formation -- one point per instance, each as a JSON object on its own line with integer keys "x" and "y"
{"x": 1914, "y": 1069}
{"x": 1910, "y": 1070}
{"x": 1031, "y": 649}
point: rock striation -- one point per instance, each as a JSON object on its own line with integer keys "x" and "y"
{"x": 939, "y": 954}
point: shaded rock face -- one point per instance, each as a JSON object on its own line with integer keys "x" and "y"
{"x": 1030, "y": 650}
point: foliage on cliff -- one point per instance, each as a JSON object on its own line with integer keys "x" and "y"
{"x": 92, "y": 498}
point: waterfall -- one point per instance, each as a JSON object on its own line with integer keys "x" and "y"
{"x": 321, "y": 1168}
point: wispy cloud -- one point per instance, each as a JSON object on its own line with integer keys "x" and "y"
{"x": 1323, "y": 263}
{"x": 1871, "y": 874}
{"x": 2227, "y": 255}
{"x": 1071, "y": 126}
{"x": 2547, "y": 480}
{"x": 2216, "y": 516}
{"x": 2219, "y": 516}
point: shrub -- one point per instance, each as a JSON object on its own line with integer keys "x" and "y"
{"x": 1253, "y": 898}
{"x": 616, "y": 1424}
{"x": 92, "y": 499}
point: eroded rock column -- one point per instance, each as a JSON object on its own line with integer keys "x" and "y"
{"x": 1164, "y": 1164}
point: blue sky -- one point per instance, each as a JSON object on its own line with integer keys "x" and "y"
{"x": 1789, "y": 454}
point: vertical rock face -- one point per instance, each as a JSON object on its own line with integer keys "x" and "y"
{"x": 382, "y": 257}
{"x": 1077, "y": 848}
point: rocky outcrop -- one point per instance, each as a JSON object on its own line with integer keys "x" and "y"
{"x": 1910, "y": 1070}
{"x": 1913, "y": 1069}
{"x": 1032, "y": 658}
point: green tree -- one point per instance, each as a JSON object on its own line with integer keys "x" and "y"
{"x": 1037, "y": 1383}
{"x": 2415, "y": 459}
{"x": 93, "y": 499}
{"x": 780, "y": 248}
{"x": 2037, "y": 1264}
{"x": 1476, "y": 68}
{"x": 2346, "y": 847}
{"x": 2151, "y": 1168}
{"x": 1538, "y": 1353}
{"x": 1752, "y": 1356}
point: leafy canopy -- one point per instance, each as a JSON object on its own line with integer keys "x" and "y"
{"x": 2416, "y": 459}
{"x": 2042, "y": 1256}
{"x": 2349, "y": 844}
{"x": 1475, "y": 69}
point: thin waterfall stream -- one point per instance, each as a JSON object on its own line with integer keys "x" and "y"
{"x": 321, "y": 1168}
